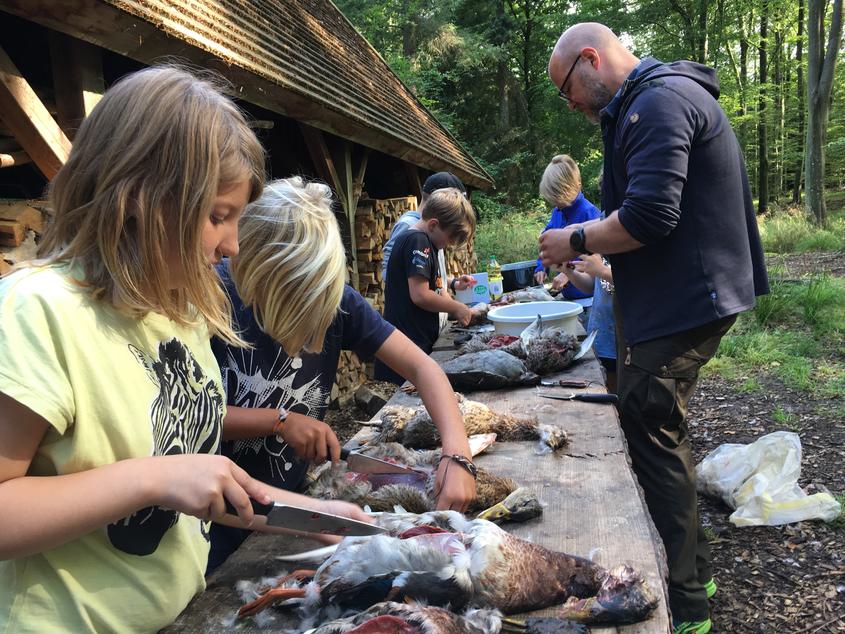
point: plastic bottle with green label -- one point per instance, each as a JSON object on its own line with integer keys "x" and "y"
{"x": 494, "y": 278}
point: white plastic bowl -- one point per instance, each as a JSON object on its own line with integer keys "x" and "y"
{"x": 513, "y": 319}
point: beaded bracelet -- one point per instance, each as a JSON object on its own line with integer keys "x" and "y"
{"x": 280, "y": 424}
{"x": 466, "y": 463}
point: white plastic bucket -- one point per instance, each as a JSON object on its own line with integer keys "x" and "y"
{"x": 513, "y": 319}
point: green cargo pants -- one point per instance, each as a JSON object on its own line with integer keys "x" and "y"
{"x": 655, "y": 382}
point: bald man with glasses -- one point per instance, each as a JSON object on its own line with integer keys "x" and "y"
{"x": 681, "y": 236}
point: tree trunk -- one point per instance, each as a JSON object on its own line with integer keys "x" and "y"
{"x": 820, "y": 68}
{"x": 799, "y": 47}
{"x": 701, "y": 56}
{"x": 503, "y": 123}
{"x": 762, "y": 127}
{"x": 781, "y": 110}
{"x": 409, "y": 31}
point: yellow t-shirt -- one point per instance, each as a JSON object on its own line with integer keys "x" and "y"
{"x": 111, "y": 387}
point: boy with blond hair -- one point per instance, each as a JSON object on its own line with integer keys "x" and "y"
{"x": 561, "y": 188}
{"x": 411, "y": 300}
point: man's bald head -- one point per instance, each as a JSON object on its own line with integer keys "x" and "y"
{"x": 608, "y": 61}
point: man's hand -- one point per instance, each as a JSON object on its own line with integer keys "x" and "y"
{"x": 540, "y": 277}
{"x": 310, "y": 438}
{"x": 554, "y": 246}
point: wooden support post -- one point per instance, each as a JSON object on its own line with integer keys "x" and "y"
{"x": 413, "y": 174}
{"x": 346, "y": 179}
{"x": 30, "y": 121}
{"x": 77, "y": 79}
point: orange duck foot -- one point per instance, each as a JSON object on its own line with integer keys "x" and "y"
{"x": 297, "y": 575}
{"x": 272, "y": 596}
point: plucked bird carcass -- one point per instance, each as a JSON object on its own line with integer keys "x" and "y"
{"x": 497, "y": 498}
{"x": 413, "y": 427}
{"x": 441, "y": 558}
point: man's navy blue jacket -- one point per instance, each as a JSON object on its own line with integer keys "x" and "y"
{"x": 674, "y": 171}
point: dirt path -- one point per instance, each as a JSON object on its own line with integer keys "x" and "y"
{"x": 788, "y": 579}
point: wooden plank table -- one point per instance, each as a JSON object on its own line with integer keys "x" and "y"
{"x": 593, "y": 505}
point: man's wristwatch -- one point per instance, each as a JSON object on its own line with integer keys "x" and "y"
{"x": 280, "y": 424}
{"x": 577, "y": 241}
{"x": 453, "y": 285}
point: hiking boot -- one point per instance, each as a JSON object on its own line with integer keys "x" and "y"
{"x": 710, "y": 587}
{"x": 693, "y": 627}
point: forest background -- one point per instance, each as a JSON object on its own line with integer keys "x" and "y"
{"x": 480, "y": 67}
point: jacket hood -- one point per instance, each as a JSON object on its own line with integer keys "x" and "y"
{"x": 703, "y": 75}
{"x": 650, "y": 68}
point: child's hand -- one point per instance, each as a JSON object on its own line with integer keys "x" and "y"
{"x": 200, "y": 484}
{"x": 310, "y": 438}
{"x": 560, "y": 280}
{"x": 590, "y": 264}
{"x": 344, "y": 509}
{"x": 464, "y": 282}
{"x": 540, "y": 277}
{"x": 455, "y": 487}
{"x": 463, "y": 315}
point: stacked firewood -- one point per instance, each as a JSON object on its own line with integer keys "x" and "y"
{"x": 374, "y": 220}
{"x": 21, "y": 221}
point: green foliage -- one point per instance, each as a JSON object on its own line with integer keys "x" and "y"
{"x": 838, "y": 522}
{"x": 510, "y": 236}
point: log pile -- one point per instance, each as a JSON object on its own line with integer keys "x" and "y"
{"x": 21, "y": 221}
{"x": 374, "y": 219}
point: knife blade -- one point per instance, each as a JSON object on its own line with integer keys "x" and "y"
{"x": 576, "y": 383}
{"x": 300, "y": 519}
{"x": 361, "y": 463}
{"x": 587, "y": 397}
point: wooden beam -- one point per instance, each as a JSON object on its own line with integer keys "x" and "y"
{"x": 77, "y": 79}
{"x": 29, "y": 121}
{"x": 340, "y": 180}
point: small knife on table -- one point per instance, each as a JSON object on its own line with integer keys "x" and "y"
{"x": 587, "y": 397}
{"x": 300, "y": 519}
{"x": 362, "y": 463}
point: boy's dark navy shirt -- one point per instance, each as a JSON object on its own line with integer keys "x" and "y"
{"x": 413, "y": 254}
{"x": 581, "y": 210}
{"x": 267, "y": 377}
{"x": 674, "y": 171}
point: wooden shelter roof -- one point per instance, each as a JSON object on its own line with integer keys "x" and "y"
{"x": 300, "y": 58}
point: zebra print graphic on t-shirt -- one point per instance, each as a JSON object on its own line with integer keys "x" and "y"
{"x": 186, "y": 417}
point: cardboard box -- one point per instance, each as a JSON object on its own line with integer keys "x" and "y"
{"x": 479, "y": 293}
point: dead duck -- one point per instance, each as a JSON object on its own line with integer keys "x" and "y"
{"x": 441, "y": 558}
{"x": 498, "y": 498}
{"x": 487, "y": 370}
{"x": 390, "y": 617}
{"x": 551, "y": 350}
{"x": 413, "y": 427}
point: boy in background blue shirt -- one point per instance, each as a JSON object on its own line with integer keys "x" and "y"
{"x": 561, "y": 188}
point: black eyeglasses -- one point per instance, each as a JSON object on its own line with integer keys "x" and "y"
{"x": 561, "y": 93}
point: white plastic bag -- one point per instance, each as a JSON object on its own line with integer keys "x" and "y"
{"x": 760, "y": 481}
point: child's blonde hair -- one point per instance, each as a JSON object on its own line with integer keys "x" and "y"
{"x": 453, "y": 211}
{"x": 291, "y": 267}
{"x": 145, "y": 167}
{"x": 561, "y": 182}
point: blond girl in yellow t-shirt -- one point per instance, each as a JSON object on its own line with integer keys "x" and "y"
{"x": 110, "y": 399}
